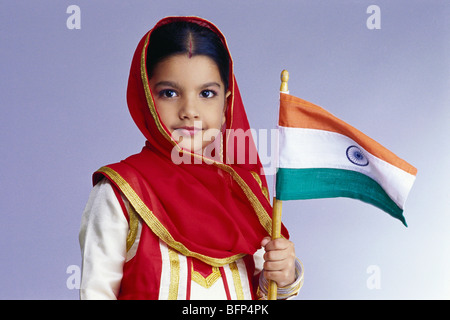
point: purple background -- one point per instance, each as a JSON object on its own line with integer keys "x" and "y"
{"x": 64, "y": 115}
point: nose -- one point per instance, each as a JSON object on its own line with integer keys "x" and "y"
{"x": 188, "y": 109}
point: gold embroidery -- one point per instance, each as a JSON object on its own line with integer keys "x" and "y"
{"x": 148, "y": 93}
{"x": 257, "y": 178}
{"x": 174, "y": 274}
{"x": 237, "y": 281}
{"x": 155, "y": 225}
{"x": 265, "y": 192}
{"x": 263, "y": 189}
{"x": 261, "y": 213}
{"x": 209, "y": 280}
{"x": 133, "y": 229}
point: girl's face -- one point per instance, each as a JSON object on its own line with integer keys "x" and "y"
{"x": 190, "y": 98}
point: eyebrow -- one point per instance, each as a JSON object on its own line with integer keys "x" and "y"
{"x": 177, "y": 86}
{"x": 211, "y": 84}
{"x": 167, "y": 83}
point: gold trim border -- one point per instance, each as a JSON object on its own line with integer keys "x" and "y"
{"x": 148, "y": 93}
{"x": 174, "y": 274}
{"x": 237, "y": 281}
{"x": 133, "y": 227}
{"x": 155, "y": 225}
{"x": 209, "y": 280}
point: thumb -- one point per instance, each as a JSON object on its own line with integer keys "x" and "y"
{"x": 265, "y": 241}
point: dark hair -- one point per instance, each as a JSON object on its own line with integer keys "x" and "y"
{"x": 187, "y": 37}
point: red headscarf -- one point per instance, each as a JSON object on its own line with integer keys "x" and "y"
{"x": 216, "y": 212}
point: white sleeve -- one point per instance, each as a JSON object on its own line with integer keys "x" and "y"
{"x": 258, "y": 258}
{"x": 103, "y": 235}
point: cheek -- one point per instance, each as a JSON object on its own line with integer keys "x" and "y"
{"x": 214, "y": 116}
{"x": 166, "y": 113}
{"x": 219, "y": 119}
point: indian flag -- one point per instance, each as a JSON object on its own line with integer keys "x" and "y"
{"x": 321, "y": 156}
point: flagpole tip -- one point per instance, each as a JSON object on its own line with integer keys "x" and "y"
{"x": 284, "y": 81}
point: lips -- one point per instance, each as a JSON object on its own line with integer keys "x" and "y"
{"x": 188, "y": 131}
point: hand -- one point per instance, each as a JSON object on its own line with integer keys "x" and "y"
{"x": 279, "y": 261}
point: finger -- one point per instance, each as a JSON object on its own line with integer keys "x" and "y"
{"x": 279, "y": 255}
{"x": 276, "y": 265}
{"x": 274, "y": 255}
{"x": 278, "y": 244}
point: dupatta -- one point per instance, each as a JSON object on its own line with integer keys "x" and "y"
{"x": 214, "y": 210}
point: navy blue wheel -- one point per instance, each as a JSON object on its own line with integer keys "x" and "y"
{"x": 356, "y": 156}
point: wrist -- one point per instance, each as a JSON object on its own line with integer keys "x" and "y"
{"x": 285, "y": 292}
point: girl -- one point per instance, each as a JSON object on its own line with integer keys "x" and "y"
{"x": 157, "y": 227}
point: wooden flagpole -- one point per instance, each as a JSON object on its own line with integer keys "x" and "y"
{"x": 277, "y": 204}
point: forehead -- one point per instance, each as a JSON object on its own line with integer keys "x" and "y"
{"x": 185, "y": 70}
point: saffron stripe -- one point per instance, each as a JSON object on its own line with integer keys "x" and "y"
{"x": 298, "y": 113}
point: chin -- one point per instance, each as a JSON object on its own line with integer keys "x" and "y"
{"x": 189, "y": 147}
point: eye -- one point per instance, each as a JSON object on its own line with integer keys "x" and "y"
{"x": 208, "y": 94}
{"x": 167, "y": 93}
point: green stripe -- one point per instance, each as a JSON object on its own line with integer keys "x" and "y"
{"x": 300, "y": 184}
